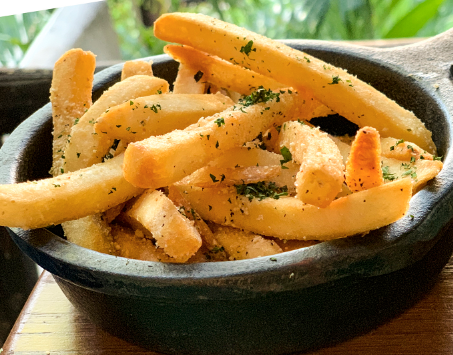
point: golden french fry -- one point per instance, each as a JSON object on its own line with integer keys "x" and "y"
{"x": 85, "y": 146}
{"x": 163, "y": 160}
{"x": 66, "y": 197}
{"x": 158, "y": 114}
{"x": 135, "y": 246}
{"x": 240, "y": 244}
{"x": 342, "y": 92}
{"x": 222, "y": 177}
{"x": 90, "y": 232}
{"x": 187, "y": 81}
{"x": 136, "y": 67}
{"x": 399, "y": 149}
{"x": 70, "y": 95}
{"x": 343, "y": 147}
{"x": 173, "y": 232}
{"x": 290, "y": 218}
{"x": 220, "y": 72}
{"x": 214, "y": 250}
{"x": 419, "y": 171}
{"x": 363, "y": 169}
{"x": 321, "y": 173}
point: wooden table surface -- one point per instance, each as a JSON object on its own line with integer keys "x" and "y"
{"x": 49, "y": 324}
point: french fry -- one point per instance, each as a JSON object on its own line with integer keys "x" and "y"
{"x": 399, "y": 149}
{"x": 133, "y": 245}
{"x": 187, "y": 81}
{"x": 158, "y": 114}
{"x": 222, "y": 177}
{"x": 321, "y": 173}
{"x": 65, "y": 197}
{"x": 419, "y": 172}
{"x": 340, "y": 91}
{"x": 214, "y": 250}
{"x": 220, "y": 72}
{"x": 290, "y": 218}
{"x": 343, "y": 147}
{"x": 136, "y": 67}
{"x": 70, "y": 95}
{"x": 163, "y": 160}
{"x": 90, "y": 232}
{"x": 363, "y": 169}
{"x": 173, "y": 232}
{"x": 85, "y": 147}
{"x": 240, "y": 244}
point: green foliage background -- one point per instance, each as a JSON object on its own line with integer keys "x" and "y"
{"x": 313, "y": 19}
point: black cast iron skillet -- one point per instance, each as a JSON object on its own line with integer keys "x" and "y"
{"x": 306, "y": 298}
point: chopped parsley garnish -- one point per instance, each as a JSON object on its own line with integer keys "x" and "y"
{"x": 76, "y": 121}
{"x": 248, "y": 48}
{"x": 437, "y": 158}
{"x": 155, "y": 108}
{"x": 398, "y": 142}
{"x": 260, "y": 95}
{"x": 131, "y": 102}
{"x": 335, "y": 80}
{"x": 307, "y": 59}
{"x": 182, "y": 210}
{"x": 220, "y": 121}
{"x": 214, "y": 179}
{"x": 217, "y": 249}
{"x": 287, "y": 156}
{"x": 387, "y": 175}
{"x": 198, "y": 76}
{"x": 410, "y": 172}
{"x": 261, "y": 190}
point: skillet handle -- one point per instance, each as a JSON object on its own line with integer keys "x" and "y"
{"x": 433, "y": 57}
{"x": 429, "y": 62}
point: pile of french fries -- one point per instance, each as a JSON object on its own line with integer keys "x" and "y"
{"x": 225, "y": 166}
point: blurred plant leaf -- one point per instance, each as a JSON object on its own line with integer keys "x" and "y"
{"x": 412, "y": 22}
{"x": 17, "y": 32}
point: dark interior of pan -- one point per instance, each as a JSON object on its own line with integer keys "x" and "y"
{"x": 306, "y": 298}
